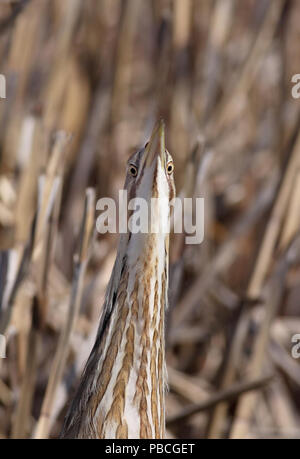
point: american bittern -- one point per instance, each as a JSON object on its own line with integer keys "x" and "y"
{"x": 121, "y": 393}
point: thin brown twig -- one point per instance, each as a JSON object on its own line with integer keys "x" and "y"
{"x": 225, "y": 395}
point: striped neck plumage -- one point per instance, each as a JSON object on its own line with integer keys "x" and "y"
{"x": 121, "y": 394}
{"x": 132, "y": 374}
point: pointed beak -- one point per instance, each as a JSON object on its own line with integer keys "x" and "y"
{"x": 156, "y": 145}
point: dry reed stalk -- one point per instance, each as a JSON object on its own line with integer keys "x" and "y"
{"x": 80, "y": 264}
{"x": 48, "y": 206}
{"x": 11, "y": 13}
{"x": 292, "y": 219}
{"x": 274, "y": 224}
{"x": 206, "y": 94}
{"x": 22, "y": 420}
{"x": 186, "y": 387}
{"x": 283, "y": 360}
{"x": 255, "y": 367}
{"x": 224, "y": 256}
{"x": 259, "y": 272}
{"x": 238, "y": 92}
{"x": 229, "y": 394}
{"x": 6, "y": 395}
{"x": 180, "y": 119}
{"x": 246, "y": 405}
{"x": 123, "y": 69}
{"x": 283, "y": 411}
{"x": 32, "y": 160}
{"x": 22, "y": 52}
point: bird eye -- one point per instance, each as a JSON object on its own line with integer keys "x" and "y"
{"x": 170, "y": 167}
{"x": 133, "y": 170}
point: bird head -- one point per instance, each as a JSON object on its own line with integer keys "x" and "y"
{"x": 150, "y": 181}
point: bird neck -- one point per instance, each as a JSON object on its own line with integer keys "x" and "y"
{"x": 127, "y": 395}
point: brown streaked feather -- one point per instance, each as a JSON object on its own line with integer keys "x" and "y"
{"x": 121, "y": 392}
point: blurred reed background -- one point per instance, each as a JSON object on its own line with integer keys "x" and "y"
{"x": 86, "y": 81}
